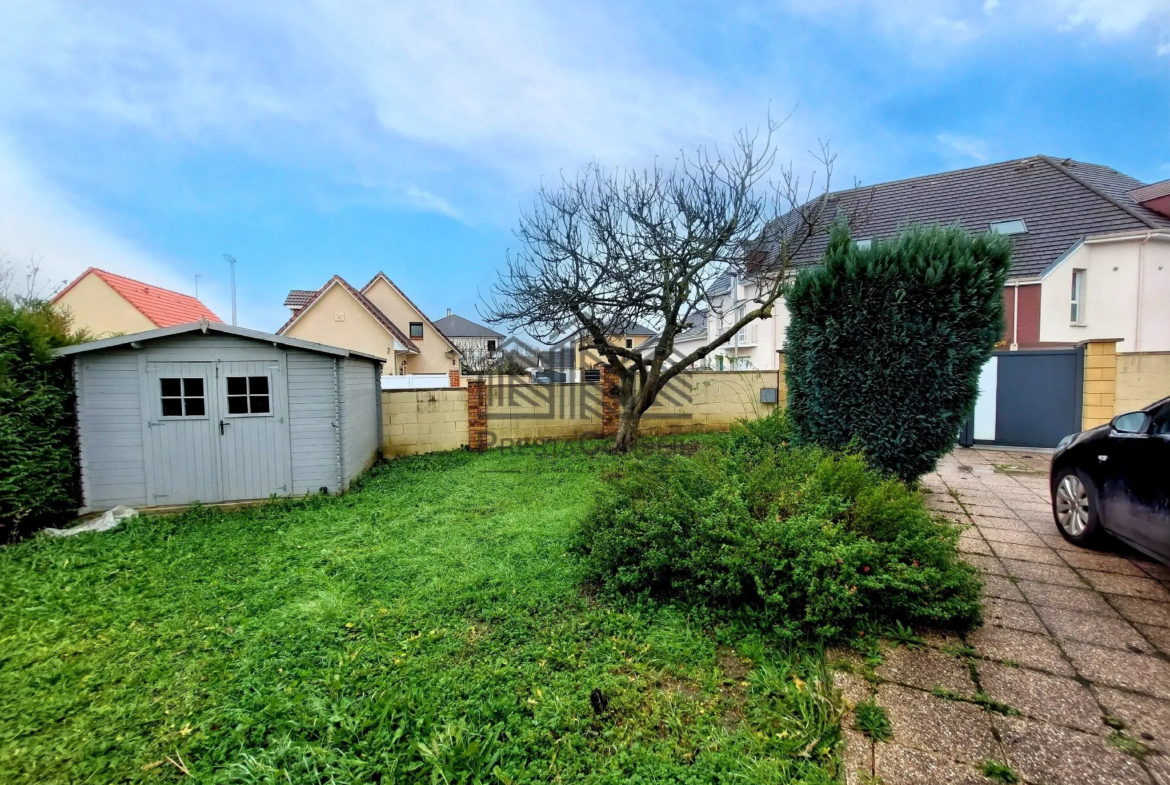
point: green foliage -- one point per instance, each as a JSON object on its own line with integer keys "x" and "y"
{"x": 1128, "y": 744}
{"x": 800, "y": 540}
{"x": 886, "y": 343}
{"x": 872, "y": 720}
{"x": 38, "y": 466}
{"x": 426, "y": 627}
{"x": 999, "y": 772}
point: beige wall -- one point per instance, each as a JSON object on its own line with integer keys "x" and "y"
{"x": 418, "y": 421}
{"x": 94, "y": 306}
{"x": 710, "y": 401}
{"x": 433, "y": 354}
{"x": 357, "y": 330}
{"x": 590, "y": 358}
{"x": 530, "y": 412}
{"x": 1113, "y": 308}
{"x": 1141, "y": 380}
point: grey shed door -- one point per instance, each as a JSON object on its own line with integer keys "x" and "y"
{"x": 183, "y": 439}
{"x": 1038, "y": 397}
{"x": 254, "y": 456}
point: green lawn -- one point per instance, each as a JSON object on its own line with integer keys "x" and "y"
{"x": 430, "y": 626}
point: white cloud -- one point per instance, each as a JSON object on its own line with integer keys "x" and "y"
{"x": 425, "y": 200}
{"x": 959, "y": 20}
{"x": 970, "y": 147}
{"x": 40, "y": 222}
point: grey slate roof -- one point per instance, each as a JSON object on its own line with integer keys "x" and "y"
{"x": 299, "y": 298}
{"x": 1061, "y": 201}
{"x": 455, "y": 326}
{"x": 697, "y": 329}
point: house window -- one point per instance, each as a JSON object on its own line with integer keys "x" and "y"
{"x": 182, "y": 397}
{"x": 1077, "y": 311}
{"x": 415, "y": 331}
{"x": 248, "y": 395}
{"x": 864, "y": 244}
{"x": 1016, "y": 226}
{"x": 629, "y": 343}
{"x": 491, "y": 346}
{"x": 742, "y": 335}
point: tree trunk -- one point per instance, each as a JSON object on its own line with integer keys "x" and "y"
{"x": 628, "y": 418}
{"x": 627, "y": 432}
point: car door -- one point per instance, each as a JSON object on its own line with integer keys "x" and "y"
{"x": 1135, "y": 498}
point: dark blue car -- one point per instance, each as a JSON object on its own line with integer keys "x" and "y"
{"x": 1115, "y": 478}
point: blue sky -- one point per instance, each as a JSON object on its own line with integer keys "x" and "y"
{"x": 312, "y": 138}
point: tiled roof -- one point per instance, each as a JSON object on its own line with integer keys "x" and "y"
{"x": 163, "y": 307}
{"x": 414, "y": 307}
{"x": 299, "y": 298}
{"x": 456, "y": 326}
{"x": 1061, "y": 201}
{"x": 362, "y": 300}
{"x": 1153, "y": 191}
{"x": 697, "y": 329}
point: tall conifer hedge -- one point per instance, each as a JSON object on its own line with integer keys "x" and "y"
{"x": 886, "y": 343}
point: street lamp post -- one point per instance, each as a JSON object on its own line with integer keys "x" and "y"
{"x": 232, "y": 261}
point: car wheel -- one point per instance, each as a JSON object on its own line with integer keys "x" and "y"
{"x": 1074, "y": 506}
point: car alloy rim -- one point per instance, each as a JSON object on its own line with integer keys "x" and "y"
{"x": 1072, "y": 505}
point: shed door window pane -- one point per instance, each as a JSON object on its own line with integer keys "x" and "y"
{"x": 248, "y": 395}
{"x": 1077, "y": 309}
{"x": 182, "y": 397}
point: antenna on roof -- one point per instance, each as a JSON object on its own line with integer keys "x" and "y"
{"x": 232, "y": 261}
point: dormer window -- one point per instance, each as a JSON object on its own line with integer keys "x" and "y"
{"x": 1014, "y": 226}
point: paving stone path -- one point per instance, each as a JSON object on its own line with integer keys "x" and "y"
{"x": 1076, "y": 641}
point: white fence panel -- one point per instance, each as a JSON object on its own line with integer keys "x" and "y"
{"x": 415, "y": 381}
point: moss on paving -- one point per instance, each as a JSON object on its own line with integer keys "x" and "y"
{"x": 429, "y": 626}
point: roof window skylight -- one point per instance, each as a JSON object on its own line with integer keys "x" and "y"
{"x": 1015, "y": 226}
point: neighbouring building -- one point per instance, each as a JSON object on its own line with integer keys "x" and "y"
{"x": 207, "y": 412}
{"x": 104, "y": 304}
{"x": 481, "y": 346}
{"x": 1091, "y": 252}
{"x": 378, "y": 319}
{"x": 631, "y": 337}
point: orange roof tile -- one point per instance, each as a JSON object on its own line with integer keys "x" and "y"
{"x": 161, "y": 306}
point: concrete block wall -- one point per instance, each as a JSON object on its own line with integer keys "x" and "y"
{"x": 1100, "y": 383}
{"x": 1142, "y": 378}
{"x": 418, "y": 421}
{"x": 483, "y": 415}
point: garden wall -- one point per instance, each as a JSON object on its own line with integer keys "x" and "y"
{"x": 1142, "y": 378}
{"x": 511, "y": 411}
{"x": 417, "y": 421}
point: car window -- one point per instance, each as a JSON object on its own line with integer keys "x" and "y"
{"x": 1161, "y": 423}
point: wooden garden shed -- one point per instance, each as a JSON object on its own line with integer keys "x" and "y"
{"x": 208, "y": 412}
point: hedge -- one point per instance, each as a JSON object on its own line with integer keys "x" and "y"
{"x": 886, "y": 343}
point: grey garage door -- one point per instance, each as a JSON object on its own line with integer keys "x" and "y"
{"x": 1028, "y": 398}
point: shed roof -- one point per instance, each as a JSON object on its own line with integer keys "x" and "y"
{"x": 207, "y": 327}
{"x": 162, "y": 307}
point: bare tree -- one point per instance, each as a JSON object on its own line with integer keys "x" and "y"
{"x": 614, "y": 248}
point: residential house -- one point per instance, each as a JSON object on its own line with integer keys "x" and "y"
{"x": 630, "y": 337}
{"x": 104, "y": 304}
{"x": 378, "y": 319}
{"x": 481, "y": 346}
{"x": 1091, "y": 251}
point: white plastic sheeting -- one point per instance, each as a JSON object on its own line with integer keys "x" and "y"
{"x": 105, "y": 522}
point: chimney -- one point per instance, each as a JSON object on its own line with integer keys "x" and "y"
{"x": 448, "y": 311}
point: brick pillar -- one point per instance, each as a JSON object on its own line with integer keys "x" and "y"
{"x": 453, "y": 377}
{"x": 1100, "y": 386}
{"x": 477, "y": 414}
{"x": 611, "y": 387}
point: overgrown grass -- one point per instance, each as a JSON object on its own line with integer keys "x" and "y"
{"x": 428, "y": 627}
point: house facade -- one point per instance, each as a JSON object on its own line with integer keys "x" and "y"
{"x": 1089, "y": 252}
{"x": 378, "y": 319}
{"x": 105, "y": 304}
{"x": 481, "y": 346}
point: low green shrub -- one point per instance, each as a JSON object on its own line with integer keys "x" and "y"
{"x": 802, "y": 539}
